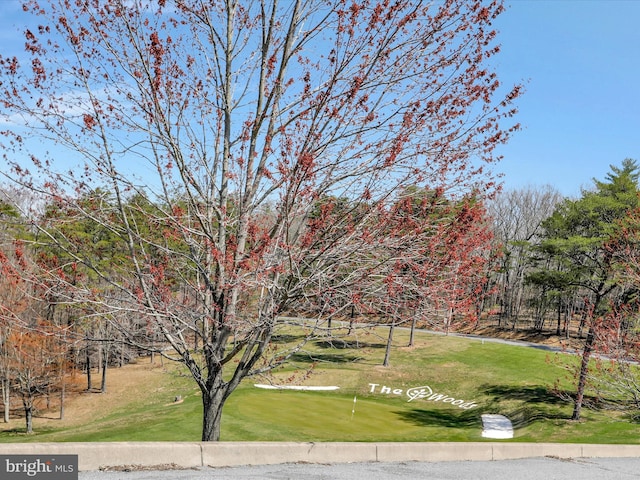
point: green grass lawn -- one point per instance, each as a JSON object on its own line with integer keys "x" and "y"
{"x": 513, "y": 381}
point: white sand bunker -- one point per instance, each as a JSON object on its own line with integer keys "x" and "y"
{"x": 295, "y": 387}
{"x": 496, "y": 426}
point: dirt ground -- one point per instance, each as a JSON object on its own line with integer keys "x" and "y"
{"x": 525, "y": 335}
{"x": 81, "y": 405}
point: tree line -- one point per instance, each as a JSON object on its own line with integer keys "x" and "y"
{"x": 524, "y": 259}
{"x": 570, "y": 265}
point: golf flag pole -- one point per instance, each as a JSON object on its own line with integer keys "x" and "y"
{"x": 353, "y": 410}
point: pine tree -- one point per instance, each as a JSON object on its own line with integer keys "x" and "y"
{"x": 577, "y": 240}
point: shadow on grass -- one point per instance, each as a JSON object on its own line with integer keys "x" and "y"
{"x": 634, "y": 417}
{"x": 535, "y": 394}
{"x": 10, "y": 434}
{"x": 340, "y": 344}
{"x": 441, "y": 418}
{"x": 287, "y": 338}
{"x": 336, "y": 357}
{"x": 524, "y": 405}
{"x": 336, "y": 350}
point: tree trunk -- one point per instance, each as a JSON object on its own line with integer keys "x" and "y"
{"x": 568, "y": 315}
{"x": 584, "y": 371}
{"x": 413, "y": 330}
{"x": 215, "y": 390}
{"x": 351, "y": 319}
{"x": 99, "y": 358}
{"x": 212, "y": 403}
{"x": 63, "y": 388}
{"x": 63, "y": 385}
{"x": 387, "y": 353}
{"x": 28, "y": 416}
{"x": 88, "y": 361}
{"x": 105, "y": 361}
{"x": 583, "y": 320}
{"x": 6, "y": 399}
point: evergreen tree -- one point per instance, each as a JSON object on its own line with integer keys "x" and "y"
{"x": 577, "y": 241}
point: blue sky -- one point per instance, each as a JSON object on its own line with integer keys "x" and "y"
{"x": 580, "y": 63}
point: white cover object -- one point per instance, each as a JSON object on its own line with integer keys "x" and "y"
{"x": 496, "y": 426}
{"x": 295, "y": 387}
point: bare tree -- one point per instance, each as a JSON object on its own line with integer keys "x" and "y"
{"x": 35, "y": 353}
{"x": 12, "y": 295}
{"x": 517, "y": 218}
{"x": 234, "y": 118}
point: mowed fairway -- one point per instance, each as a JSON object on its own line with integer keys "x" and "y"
{"x": 371, "y": 405}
